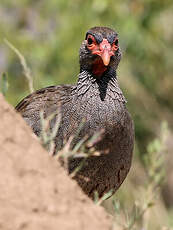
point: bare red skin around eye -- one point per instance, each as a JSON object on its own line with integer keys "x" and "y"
{"x": 104, "y": 50}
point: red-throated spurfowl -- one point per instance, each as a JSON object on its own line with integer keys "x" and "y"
{"x": 97, "y": 99}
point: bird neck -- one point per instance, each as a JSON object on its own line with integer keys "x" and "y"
{"x": 102, "y": 86}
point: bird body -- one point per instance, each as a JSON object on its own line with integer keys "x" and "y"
{"x": 98, "y": 100}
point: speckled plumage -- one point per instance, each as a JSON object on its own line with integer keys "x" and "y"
{"x": 99, "y": 101}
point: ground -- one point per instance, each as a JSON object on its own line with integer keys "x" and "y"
{"x": 35, "y": 192}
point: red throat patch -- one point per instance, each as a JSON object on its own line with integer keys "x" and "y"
{"x": 98, "y": 67}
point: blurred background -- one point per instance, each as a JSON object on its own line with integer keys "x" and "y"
{"x": 49, "y": 34}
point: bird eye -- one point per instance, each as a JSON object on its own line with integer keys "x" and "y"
{"x": 116, "y": 42}
{"x": 115, "y": 45}
{"x": 90, "y": 41}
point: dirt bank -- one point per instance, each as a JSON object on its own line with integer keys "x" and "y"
{"x": 35, "y": 192}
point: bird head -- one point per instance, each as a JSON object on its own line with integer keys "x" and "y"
{"x": 100, "y": 50}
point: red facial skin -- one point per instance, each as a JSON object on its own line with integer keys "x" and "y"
{"x": 104, "y": 50}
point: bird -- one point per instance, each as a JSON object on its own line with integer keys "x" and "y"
{"x": 96, "y": 100}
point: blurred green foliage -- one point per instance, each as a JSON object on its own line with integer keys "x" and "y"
{"x": 49, "y": 33}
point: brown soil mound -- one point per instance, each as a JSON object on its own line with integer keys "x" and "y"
{"x": 35, "y": 192}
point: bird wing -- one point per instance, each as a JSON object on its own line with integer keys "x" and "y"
{"x": 47, "y": 99}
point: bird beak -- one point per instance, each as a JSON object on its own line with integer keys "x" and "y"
{"x": 106, "y": 51}
{"x": 105, "y": 57}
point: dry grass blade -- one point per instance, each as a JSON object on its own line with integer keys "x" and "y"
{"x": 48, "y": 134}
{"x": 26, "y": 69}
{"x": 3, "y": 83}
{"x": 104, "y": 197}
